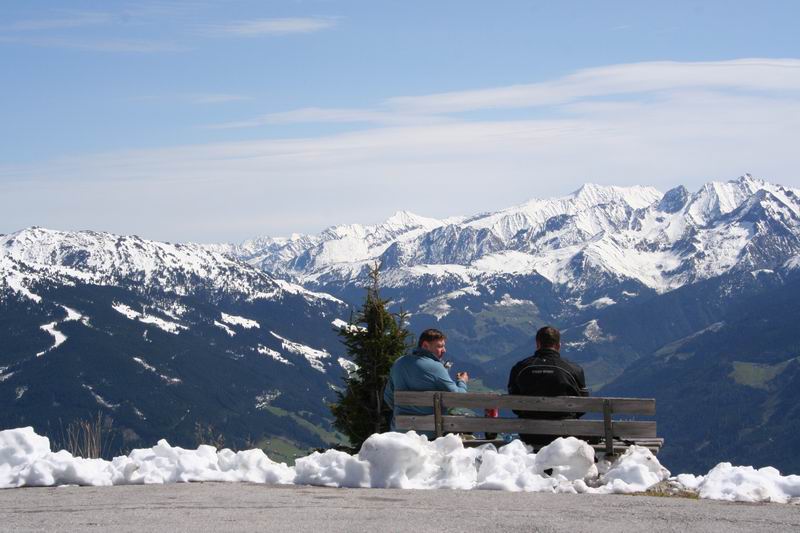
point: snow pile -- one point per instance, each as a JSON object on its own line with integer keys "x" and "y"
{"x": 744, "y": 484}
{"x": 26, "y": 460}
{"x": 635, "y": 471}
{"x": 332, "y": 469}
{"x": 391, "y": 460}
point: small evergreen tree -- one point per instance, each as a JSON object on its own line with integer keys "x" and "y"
{"x": 374, "y": 340}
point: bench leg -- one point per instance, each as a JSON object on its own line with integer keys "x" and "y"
{"x": 609, "y": 429}
{"x": 437, "y": 414}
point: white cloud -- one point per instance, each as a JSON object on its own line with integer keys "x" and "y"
{"x": 627, "y": 83}
{"x": 272, "y": 26}
{"x": 681, "y": 133}
{"x": 628, "y": 79}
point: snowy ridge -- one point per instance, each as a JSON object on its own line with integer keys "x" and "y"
{"x": 596, "y": 235}
{"x": 35, "y": 255}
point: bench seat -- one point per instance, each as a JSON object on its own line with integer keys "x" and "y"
{"x": 615, "y": 435}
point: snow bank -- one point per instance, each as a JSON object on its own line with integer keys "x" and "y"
{"x": 635, "y": 471}
{"x": 26, "y": 460}
{"x": 744, "y": 484}
{"x": 391, "y": 460}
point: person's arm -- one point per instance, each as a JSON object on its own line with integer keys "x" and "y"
{"x": 584, "y": 391}
{"x": 581, "y": 381}
{"x": 443, "y": 381}
{"x": 513, "y": 388}
{"x": 512, "y": 381}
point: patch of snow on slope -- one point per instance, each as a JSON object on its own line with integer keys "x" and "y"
{"x": 313, "y": 356}
{"x": 293, "y": 288}
{"x": 15, "y": 280}
{"x": 593, "y": 333}
{"x": 169, "y": 327}
{"x": 351, "y": 328}
{"x": 339, "y": 323}
{"x": 508, "y": 301}
{"x": 440, "y": 306}
{"x": 58, "y": 337}
{"x": 99, "y": 399}
{"x": 225, "y": 328}
{"x": 263, "y": 350}
{"x": 347, "y": 365}
{"x": 266, "y": 398}
{"x": 72, "y": 314}
{"x": 600, "y": 303}
{"x": 3, "y": 375}
{"x": 166, "y": 379}
{"x": 174, "y": 310}
{"x": 793, "y": 263}
{"x": 234, "y": 320}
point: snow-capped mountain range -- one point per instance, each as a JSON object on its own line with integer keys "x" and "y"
{"x": 36, "y": 255}
{"x": 586, "y": 239}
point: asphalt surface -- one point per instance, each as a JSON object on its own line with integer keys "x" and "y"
{"x": 247, "y": 507}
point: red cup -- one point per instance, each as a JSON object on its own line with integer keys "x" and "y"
{"x": 493, "y": 412}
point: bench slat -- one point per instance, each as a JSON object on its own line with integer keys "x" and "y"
{"x": 654, "y": 447}
{"x": 588, "y": 428}
{"x": 634, "y": 406}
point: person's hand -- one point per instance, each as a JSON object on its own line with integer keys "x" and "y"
{"x": 462, "y": 376}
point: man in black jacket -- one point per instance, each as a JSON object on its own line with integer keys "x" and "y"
{"x": 546, "y": 373}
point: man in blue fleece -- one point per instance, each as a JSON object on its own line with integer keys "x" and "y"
{"x": 422, "y": 370}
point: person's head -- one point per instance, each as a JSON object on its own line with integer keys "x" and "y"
{"x": 548, "y": 337}
{"x": 433, "y": 341}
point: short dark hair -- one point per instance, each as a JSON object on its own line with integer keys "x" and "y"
{"x": 548, "y": 337}
{"x": 430, "y": 335}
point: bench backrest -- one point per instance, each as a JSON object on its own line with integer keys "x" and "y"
{"x": 440, "y": 423}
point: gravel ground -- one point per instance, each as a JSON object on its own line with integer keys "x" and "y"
{"x": 248, "y": 507}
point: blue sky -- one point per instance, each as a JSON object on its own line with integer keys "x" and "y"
{"x": 222, "y": 120}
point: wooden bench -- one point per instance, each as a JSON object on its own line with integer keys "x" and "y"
{"x": 614, "y": 434}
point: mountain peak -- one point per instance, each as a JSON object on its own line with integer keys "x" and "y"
{"x": 407, "y": 219}
{"x": 747, "y": 179}
{"x": 636, "y": 196}
{"x": 674, "y": 200}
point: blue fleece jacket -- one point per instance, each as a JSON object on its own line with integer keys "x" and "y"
{"x": 419, "y": 371}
